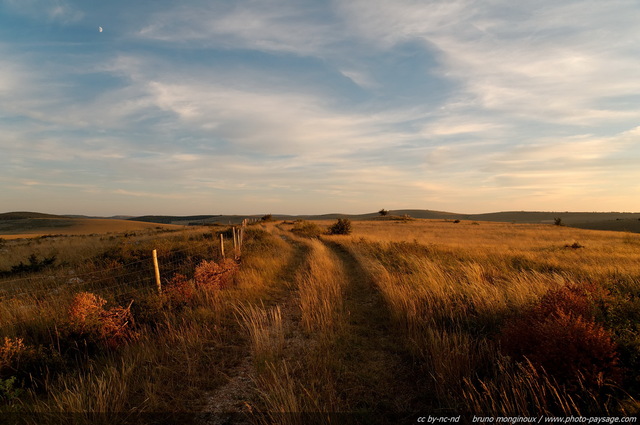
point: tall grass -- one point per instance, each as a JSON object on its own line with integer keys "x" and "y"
{"x": 181, "y": 351}
{"x": 522, "y": 389}
{"x": 299, "y": 309}
{"x": 451, "y": 304}
{"x": 265, "y": 330}
{"x": 320, "y": 286}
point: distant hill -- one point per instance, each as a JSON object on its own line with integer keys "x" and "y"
{"x": 172, "y": 219}
{"x": 617, "y": 225}
{"x": 616, "y": 221}
{"x": 568, "y": 218}
{"x": 30, "y": 224}
{"x": 22, "y": 215}
{"x": 587, "y": 220}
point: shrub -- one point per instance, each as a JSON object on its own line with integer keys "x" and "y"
{"x": 33, "y": 265}
{"x": 212, "y": 275}
{"x": 571, "y": 299}
{"x": 8, "y": 390}
{"x": 11, "y": 352}
{"x": 22, "y": 364}
{"x": 90, "y": 322}
{"x": 560, "y": 335}
{"x": 267, "y": 217}
{"x": 557, "y": 221}
{"x": 341, "y": 227}
{"x": 383, "y": 212}
{"x": 179, "y": 291}
{"x": 570, "y": 348}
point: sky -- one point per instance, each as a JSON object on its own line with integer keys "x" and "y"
{"x": 318, "y": 106}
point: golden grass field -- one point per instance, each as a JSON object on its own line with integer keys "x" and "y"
{"x": 399, "y": 319}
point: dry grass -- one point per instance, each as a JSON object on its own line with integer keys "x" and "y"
{"x": 451, "y": 288}
{"x": 93, "y": 390}
{"x": 320, "y": 287}
{"x": 174, "y": 359}
{"x": 300, "y": 309}
{"x": 536, "y": 246}
{"x": 266, "y": 333}
{"x": 520, "y": 390}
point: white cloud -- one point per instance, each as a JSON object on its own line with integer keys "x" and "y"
{"x": 273, "y": 25}
{"x": 359, "y": 101}
{"x": 149, "y": 194}
{"x": 53, "y": 10}
{"x": 451, "y": 126}
{"x": 550, "y": 61}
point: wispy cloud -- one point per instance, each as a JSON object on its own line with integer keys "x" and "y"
{"x": 299, "y": 27}
{"x": 311, "y": 106}
{"x": 547, "y": 61}
{"x": 56, "y": 10}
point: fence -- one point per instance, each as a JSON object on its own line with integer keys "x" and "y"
{"x": 22, "y": 297}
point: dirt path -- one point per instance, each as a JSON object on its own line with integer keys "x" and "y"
{"x": 379, "y": 376}
{"x": 369, "y": 372}
{"x": 236, "y": 400}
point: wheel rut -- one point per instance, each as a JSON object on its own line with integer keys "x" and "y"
{"x": 380, "y": 375}
{"x": 235, "y": 401}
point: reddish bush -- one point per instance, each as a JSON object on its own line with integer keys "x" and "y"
{"x": 11, "y": 352}
{"x": 570, "y": 299}
{"x": 179, "y": 291}
{"x": 584, "y": 300}
{"x": 85, "y": 310}
{"x": 212, "y": 275}
{"x": 560, "y": 335}
{"x": 89, "y": 320}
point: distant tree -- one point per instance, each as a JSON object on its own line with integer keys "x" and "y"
{"x": 557, "y": 221}
{"x": 341, "y": 227}
{"x": 383, "y": 212}
{"x": 267, "y": 217}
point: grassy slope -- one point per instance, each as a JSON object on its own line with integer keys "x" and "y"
{"x": 587, "y": 220}
{"x": 36, "y": 226}
{"x": 21, "y": 215}
{"x": 399, "y": 317}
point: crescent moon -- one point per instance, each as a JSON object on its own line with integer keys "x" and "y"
{"x": 100, "y": 29}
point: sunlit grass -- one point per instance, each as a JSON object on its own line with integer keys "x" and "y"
{"x": 298, "y": 306}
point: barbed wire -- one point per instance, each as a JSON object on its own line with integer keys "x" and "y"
{"x": 88, "y": 275}
{"x": 135, "y": 277}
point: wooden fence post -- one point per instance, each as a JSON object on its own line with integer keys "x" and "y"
{"x": 235, "y": 241}
{"x": 222, "y": 245}
{"x": 157, "y": 271}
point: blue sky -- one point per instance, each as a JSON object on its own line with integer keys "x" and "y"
{"x": 307, "y": 106}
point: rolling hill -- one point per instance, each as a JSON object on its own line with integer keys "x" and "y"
{"x": 31, "y": 224}
{"x": 617, "y": 221}
{"x": 34, "y": 223}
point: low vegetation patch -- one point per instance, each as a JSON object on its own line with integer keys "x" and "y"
{"x": 94, "y": 325}
{"x": 341, "y": 227}
{"x": 307, "y": 229}
{"x": 215, "y": 275}
{"x": 559, "y": 334}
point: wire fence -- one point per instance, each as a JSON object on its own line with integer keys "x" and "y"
{"x": 21, "y": 297}
{"x": 128, "y": 274}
